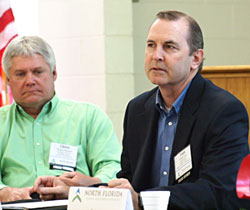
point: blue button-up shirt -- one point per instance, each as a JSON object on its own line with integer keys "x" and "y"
{"x": 166, "y": 131}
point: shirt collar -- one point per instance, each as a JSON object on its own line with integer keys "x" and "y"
{"x": 177, "y": 104}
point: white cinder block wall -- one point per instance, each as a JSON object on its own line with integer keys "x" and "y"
{"x": 75, "y": 29}
{"x": 118, "y": 59}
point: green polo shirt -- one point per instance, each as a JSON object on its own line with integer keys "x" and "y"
{"x": 25, "y": 141}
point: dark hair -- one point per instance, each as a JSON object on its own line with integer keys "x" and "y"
{"x": 195, "y": 37}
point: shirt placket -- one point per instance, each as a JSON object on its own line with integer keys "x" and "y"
{"x": 168, "y": 136}
{"x": 38, "y": 147}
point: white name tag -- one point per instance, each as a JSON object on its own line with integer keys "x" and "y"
{"x": 183, "y": 163}
{"x": 86, "y": 198}
{"x": 62, "y": 157}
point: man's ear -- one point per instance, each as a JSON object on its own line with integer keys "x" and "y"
{"x": 54, "y": 74}
{"x": 8, "y": 80}
{"x": 197, "y": 59}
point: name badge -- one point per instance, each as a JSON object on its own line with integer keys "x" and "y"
{"x": 90, "y": 198}
{"x": 63, "y": 157}
{"x": 183, "y": 164}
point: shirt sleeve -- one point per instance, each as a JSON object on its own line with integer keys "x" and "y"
{"x": 2, "y": 185}
{"x": 3, "y": 120}
{"x": 103, "y": 147}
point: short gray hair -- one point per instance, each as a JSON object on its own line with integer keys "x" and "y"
{"x": 28, "y": 46}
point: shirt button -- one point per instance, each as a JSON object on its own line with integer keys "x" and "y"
{"x": 170, "y": 123}
{"x": 38, "y": 144}
{"x": 165, "y": 173}
{"x": 40, "y": 162}
{"x": 166, "y": 148}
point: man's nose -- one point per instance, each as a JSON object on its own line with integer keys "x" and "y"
{"x": 30, "y": 80}
{"x": 158, "y": 54}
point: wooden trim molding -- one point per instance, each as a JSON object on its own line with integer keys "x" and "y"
{"x": 237, "y": 71}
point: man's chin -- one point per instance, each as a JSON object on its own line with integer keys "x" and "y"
{"x": 31, "y": 102}
{"x": 158, "y": 81}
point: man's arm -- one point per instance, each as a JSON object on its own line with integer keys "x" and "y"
{"x": 103, "y": 149}
{"x": 102, "y": 152}
{"x": 8, "y": 194}
{"x": 126, "y": 171}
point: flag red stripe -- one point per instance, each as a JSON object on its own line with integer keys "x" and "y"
{"x": 1, "y": 103}
{"x": 1, "y": 54}
{"x": 2, "y": 50}
{"x": 6, "y": 18}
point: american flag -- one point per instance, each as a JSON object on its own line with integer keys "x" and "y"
{"x": 7, "y": 33}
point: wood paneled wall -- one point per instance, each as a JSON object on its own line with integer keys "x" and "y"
{"x": 235, "y": 79}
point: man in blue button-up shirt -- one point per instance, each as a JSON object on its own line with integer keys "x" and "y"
{"x": 186, "y": 136}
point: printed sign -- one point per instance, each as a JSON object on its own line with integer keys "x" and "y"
{"x": 91, "y": 198}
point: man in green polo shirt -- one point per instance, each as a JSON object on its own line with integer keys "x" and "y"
{"x": 41, "y": 134}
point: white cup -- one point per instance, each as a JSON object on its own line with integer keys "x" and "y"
{"x": 155, "y": 200}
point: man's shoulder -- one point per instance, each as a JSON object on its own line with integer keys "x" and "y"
{"x": 214, "y": 96}
{"x": 219, "y": 94}
{"x": 7, "y": 113}
{"x": 206, "y": 89}
{"x": 81, "y": 106}
{"x": 5, "y": 110}
{"x": 70, "y": 102}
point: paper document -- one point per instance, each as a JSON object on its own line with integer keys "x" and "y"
{"x": 36, "y": 205}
